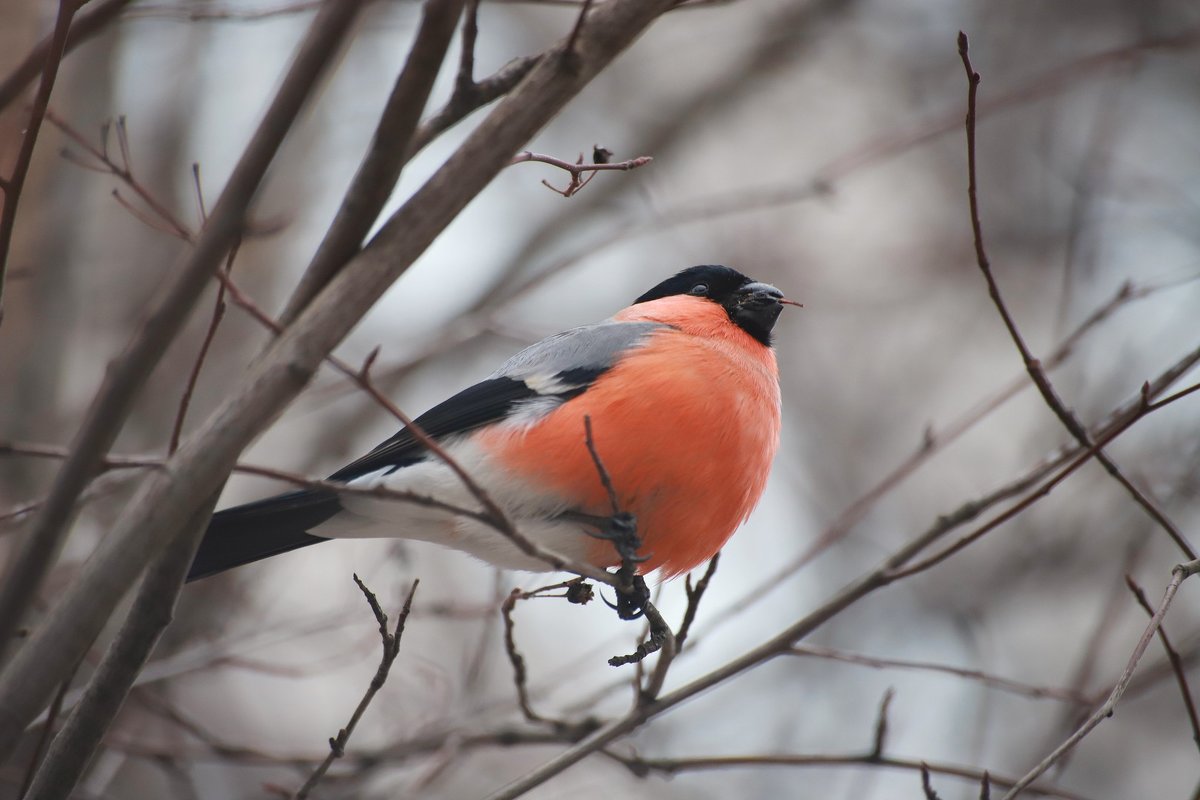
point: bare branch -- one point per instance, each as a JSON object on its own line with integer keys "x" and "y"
{"x": 19, "y": 701}
{"x": 1178, "y": 575}
{"x": 152, "y": 610}
{"x": 879, "y": 742}
{"x": 641, "y": 766}
{"x": 1172, "y": 657}
{"x": 391, "y": 649}
{"x": 205, "y": 458}
{"x": 579, "y": 170}
{"x": 991, "y": 681}
{"x": 380, "y": 168}
{"x": 1032, "y": 365}
{"x": 210, "y": 334}
{"x": 15, "y": 181}
{"x": 883, "y": 575}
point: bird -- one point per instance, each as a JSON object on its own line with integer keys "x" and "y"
{"x": 676, "y": 396}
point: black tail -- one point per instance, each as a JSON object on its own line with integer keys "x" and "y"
{"x": 268, "y": 527}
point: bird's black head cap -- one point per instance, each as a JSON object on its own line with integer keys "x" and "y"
{"x": 752, "y": 306}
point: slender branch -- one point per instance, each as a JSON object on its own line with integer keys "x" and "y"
{"x": 168, "y": 497}
{"x": 380, "y": 168}
{"x": 694, "y": 595}
{"x": 124, "y": 172}
{"x": 391, "y": 649}
{"x": 581, "y": 174}
{"x": 91, "y": 21}
{"x": 152, "y": 610}
{"x": 461, "y": 104}
{"x": 194, "y": 376}
{"x": 575, "y": 591}
{"x": 936, "y": 440}
{"x": 464, "y": 83}
{"x": 673, "y": 645}
{"x": 1173, "y": 659}
{"x": 46, "y": 735}
{"x": 879, "y": 741}
{"x": 1032, "y": 365}
{"x": 927, "y": 784}
{"x": 19, "y": 701}
{"x": 883, "y": 575}
{"x": 1178, "y": 575}
{"x": 991, "y": 681}
{"x": 641, "y": 766}
{"x": 15, "y": 181}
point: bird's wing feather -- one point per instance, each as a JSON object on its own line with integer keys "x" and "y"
{"x": 559, "y": 367}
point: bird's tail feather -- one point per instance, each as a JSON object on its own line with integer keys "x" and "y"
{"x": 265, "y": 528}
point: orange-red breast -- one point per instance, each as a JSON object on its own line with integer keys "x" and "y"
{"x": 682, "y": 392}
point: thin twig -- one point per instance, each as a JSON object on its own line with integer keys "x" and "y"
{"x": 580, "y": 172}
{"x": 883, "y": 575}
{"x": 641, "y": 766}
{"x": 694, "y": 595}
{"x": 879, "y": 741}
{"x": 152, "y": 609}
{"x": 30, "y": 677}
{"x": 1144, "y": 408}
{"x": 942, "y": 437}
{"x": 1032, "y": 365}
{"x": 44, "y": 738}
{"x": 210, "y": 334}
{"x": 123, "y": 172}
{"x": 569, "y": 54}
{"x": 520, "y": 676}
{"x": 386, "y": 156}
{"x": 464, "y": 83}
{"x": 1178, "y": 575}
{"x": 1173, "y": 657}
{"x": 391, "y": 649}
{"x": 13, "y": 183}
{"x": 87, "y": 24}
{"x": 984, "y": 678}
{"x": 460, "y": 105}
{"x": 927, "y": 784}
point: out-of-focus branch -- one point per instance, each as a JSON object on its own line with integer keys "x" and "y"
{"x": 991, "y": 681}
{"x": 1178, "y": 575}
{"x": 1032, "y": 365}
{"x": 386, "y": 156}
{"x": 168, "y": 498}
{"x": 86, "y": 25}
{"x": 892, "y": 569}
{"x": 1173, "y": 659}
{"x": 152, "y": 611}
{"x": 193, "y": 377}
{"x": 125, "y": 377}
{"x": 12, "y": 184}
{"x": 391, "y": 649}
{"x": 463, "y": 102}
{"x": 642, "y": 766}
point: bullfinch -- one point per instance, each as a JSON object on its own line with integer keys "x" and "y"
{"x": 681, "y": 392}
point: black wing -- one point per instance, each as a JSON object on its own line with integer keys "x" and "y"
{"x": 485, "y": 402}
{"x": 555, "y": 369}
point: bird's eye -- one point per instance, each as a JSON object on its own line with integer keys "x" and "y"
{"x": 699, "y": 290}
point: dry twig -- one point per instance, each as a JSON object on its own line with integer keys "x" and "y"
{"x": 12, "y": 184}
{"x": 1032, "y": 365}
{"x": 581, "y": 174}
{"x": 391, "y": 648}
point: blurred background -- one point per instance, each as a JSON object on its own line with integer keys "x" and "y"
{"x": 817, "y": 145}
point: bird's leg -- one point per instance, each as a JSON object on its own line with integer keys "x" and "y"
{"x": 632, "y": 594}
{"x": 621, "y": 530}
